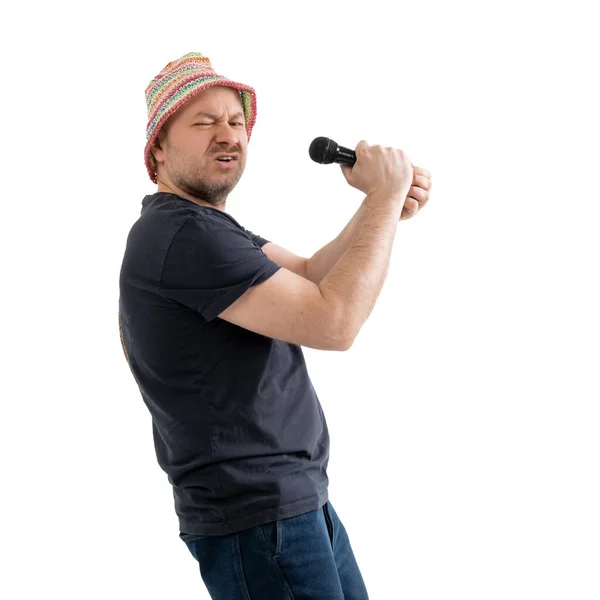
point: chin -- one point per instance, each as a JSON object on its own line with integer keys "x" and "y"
{"x": 214, "y": 191}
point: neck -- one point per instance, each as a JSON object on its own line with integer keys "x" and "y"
{"x": 173, "y": 189}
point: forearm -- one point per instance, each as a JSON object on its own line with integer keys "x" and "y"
{"x": 353, "y": 284}
{"x": 322, "y": 261}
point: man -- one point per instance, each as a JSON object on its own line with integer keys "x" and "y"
{"x": 212, "y": 320}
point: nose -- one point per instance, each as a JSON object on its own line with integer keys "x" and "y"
{"x": 226, "y": 134}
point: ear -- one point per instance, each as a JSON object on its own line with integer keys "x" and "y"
{"x": 157, "y": 147}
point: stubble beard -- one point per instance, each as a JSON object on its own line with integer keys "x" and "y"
{"x": 214, "y": 191}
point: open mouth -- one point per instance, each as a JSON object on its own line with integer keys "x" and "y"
{"x": 226, "y": 159}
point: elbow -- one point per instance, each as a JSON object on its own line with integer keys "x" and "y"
{"x": 339, "y": 326}
{"x": 345, "y": 340}
{"x": 348, "y": 328}
{"x": 346, "y": 344}
{"x": 333, "y": 339}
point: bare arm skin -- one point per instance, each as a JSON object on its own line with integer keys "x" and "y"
{"x": 329, "y": 315}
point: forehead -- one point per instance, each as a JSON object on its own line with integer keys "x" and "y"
{"x": 215, "y": 99}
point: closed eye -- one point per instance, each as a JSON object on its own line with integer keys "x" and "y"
{"x": 236, "y": 124}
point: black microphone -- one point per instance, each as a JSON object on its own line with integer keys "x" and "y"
{"x": 325, "y": 151}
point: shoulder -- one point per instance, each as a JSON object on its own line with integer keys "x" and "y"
{"x": 206, "y": 233}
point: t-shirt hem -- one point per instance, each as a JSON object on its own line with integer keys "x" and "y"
{"x": 285, "y": 511}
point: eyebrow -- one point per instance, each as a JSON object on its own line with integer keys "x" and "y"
{"x": 238, "y": 115}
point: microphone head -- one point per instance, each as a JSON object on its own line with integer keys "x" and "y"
{"x": 323, "y": 150}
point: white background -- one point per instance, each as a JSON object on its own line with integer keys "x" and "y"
{"x": 464, "y": 420}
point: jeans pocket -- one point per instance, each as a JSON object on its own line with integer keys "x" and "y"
{"x": 328, "y": 521}
{"x": 272, "y": 534}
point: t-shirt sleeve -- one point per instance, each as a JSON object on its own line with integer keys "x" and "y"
{"x": 261, "y": 241}
{"x": 210, "y": 264}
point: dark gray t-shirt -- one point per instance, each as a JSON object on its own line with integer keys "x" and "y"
{"x": 237, "y": 425}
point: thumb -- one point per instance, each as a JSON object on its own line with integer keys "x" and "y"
{"x": 347, "y": 171}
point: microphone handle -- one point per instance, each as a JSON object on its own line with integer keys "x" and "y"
{"x": 345, "y": 156}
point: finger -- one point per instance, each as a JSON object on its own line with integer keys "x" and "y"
{"x": 410, "y": 209}
{"x": 346, "y": 170}
{"x": 420, "y": 171}
{"x": 422, "y": 182}
{"x": 407, "y": 214}
{"x": 361, "y": 147}
{"x": 418, "y": 194}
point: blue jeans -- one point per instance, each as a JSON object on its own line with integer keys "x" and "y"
{"x": 307, "y": 557}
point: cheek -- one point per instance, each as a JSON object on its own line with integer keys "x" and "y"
{"x": 198, "y": 144}
{"x": 194, "y": 142}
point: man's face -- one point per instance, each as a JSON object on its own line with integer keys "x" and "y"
{"x": 209, "y": 126}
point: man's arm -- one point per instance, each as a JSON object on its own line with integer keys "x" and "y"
{"x": 322, "y": 261}
{"x": 286, "y": 259}
{"x": 329, "y": 315}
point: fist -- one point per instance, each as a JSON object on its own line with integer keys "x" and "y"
{"x": 378, "y": 168}
{"x": 418, "y": 194}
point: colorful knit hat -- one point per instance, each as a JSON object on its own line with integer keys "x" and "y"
{"x": 179, "y": 81}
